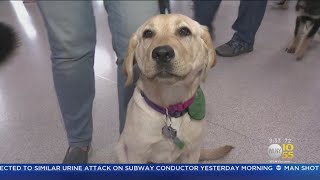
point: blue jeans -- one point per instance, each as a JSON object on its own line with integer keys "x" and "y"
{"x": 247, "y": 24}
{"x": 72, "y": 37}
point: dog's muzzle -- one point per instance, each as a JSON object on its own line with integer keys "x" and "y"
{"x": 163, "y": 55}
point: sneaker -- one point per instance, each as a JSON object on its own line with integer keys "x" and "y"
{"x": 233, "y": 48}
{"x": 76, "y": 155}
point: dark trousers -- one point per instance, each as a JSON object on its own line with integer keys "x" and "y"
{"x": 246, "y": 25}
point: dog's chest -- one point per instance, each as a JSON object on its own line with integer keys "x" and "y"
{"x": 164, "y": 149}
{"x": 302, "y": 12}
{"x": 143, "y": 137}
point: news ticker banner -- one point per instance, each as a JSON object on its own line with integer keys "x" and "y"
{"x": 196, "y": 169}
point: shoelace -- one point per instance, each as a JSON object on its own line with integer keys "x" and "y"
{"x": 236, "y": 45}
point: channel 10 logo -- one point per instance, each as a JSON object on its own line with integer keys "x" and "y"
{"x": 285, "y": 151}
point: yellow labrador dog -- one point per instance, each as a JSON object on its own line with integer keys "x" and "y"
{"x": 174, "y": 54}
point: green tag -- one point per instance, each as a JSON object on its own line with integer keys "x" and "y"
{"x": 178, "y": 142}
{"x": 197, "y": 110}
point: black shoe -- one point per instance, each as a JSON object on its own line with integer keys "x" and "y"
{"x": 233, "y": 48}
{"x": 76, "y": 155}
{"x": 280, "y": 5}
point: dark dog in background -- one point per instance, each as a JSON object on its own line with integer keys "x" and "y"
{"x": 8, "y": 42}
{"x": 308, "y": 17}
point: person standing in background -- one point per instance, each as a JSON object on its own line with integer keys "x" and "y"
{"x": 246, "y": 25}
{"x": 72, "y": 37}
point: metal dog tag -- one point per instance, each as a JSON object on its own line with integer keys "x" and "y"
{"x": 169, "y": 132}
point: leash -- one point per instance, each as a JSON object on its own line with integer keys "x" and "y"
{"x": 164, "y": 6}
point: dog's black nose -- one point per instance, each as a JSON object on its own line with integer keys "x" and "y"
{"x": 163, "y": 54}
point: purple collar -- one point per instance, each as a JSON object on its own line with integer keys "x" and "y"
{"x": 176, "y": 110}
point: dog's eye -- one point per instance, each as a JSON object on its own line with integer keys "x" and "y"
{"x": 147, "y": 34}
{"x": 184, "y": 31}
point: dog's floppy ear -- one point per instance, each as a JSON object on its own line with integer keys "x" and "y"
{"x": 130, "y": 59}
{"x": 211, "y": 53}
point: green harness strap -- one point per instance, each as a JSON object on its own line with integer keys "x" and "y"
{"x": 197, "y": 110}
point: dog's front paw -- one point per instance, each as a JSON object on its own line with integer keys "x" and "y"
{"x": 291, "y": 49}
{"x": 299, "y": 56}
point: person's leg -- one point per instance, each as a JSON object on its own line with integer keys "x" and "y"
{"x": 205, "y": 11}
{"x": 72, "y": 37}
{"x": 124, "y": 19}
{"x": 249, "y": 18}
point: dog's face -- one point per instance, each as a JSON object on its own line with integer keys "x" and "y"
{"x": 309, "y": 8}
{"x": 168, "y": 48}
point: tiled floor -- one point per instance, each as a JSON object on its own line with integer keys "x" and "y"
{"x": 262, "y": 95}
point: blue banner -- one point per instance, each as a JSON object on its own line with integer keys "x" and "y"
{"x": 159, "y": 171}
